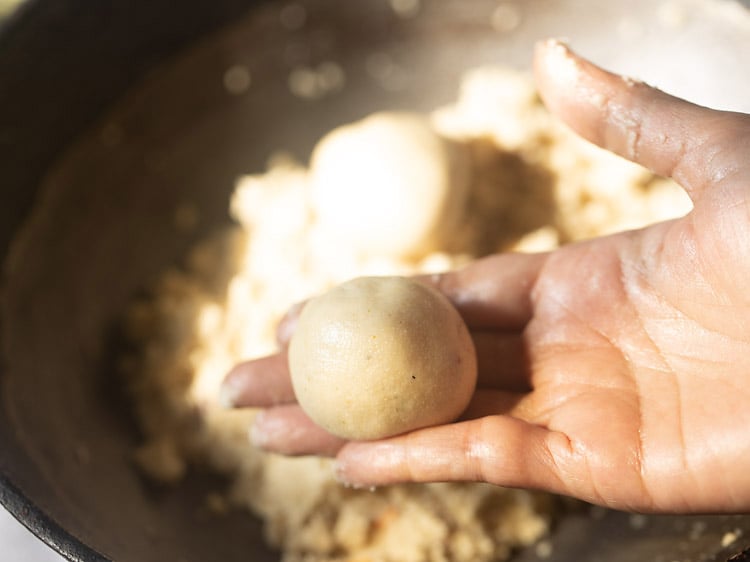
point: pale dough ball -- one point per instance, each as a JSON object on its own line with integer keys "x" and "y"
{"x": 389, "y": 185}
{"x": 379, "y": 356}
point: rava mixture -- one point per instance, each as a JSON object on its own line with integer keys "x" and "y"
{"x": 395, "y": 194}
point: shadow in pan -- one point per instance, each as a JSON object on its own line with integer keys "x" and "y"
{"x": 113, "y": 114}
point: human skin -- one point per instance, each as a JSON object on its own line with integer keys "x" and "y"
{"x": 615, "y": 370}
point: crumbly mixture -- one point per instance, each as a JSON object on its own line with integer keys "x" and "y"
{"x": 533, "y": 185}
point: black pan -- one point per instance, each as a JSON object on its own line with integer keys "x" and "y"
{"x": 112, "y": 113}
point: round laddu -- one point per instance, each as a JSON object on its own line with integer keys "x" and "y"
{"x": 380, "y": 356}
{"x": 389, "y": 185}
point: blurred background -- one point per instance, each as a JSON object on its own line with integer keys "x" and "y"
{"x": 16, "y": 543}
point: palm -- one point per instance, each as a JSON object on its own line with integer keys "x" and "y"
{"x": 615, "y": 370}
{"x": 642, "y": 373}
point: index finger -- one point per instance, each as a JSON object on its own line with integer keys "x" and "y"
{"x": 492, "y": 292}
{"x": 259, "y": 383}
{"x": 489, "y": 293}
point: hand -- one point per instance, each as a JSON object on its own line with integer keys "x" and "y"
{"x": 615, "y": 370}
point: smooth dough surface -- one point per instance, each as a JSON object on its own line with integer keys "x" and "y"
{"x": 379, "y": 356}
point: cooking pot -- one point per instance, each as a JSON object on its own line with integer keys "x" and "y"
{"x": 114, "y": 114}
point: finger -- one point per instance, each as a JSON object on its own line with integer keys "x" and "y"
{"x": 259, "y": 383}
{"x": 501, "y": 361}
{"x": 288, "y": 324}
{"x": 499, "y": 449}
{"x": 692, "y": 144}
{"x": 287, "y": 430}
{"x": 493, "y": 292}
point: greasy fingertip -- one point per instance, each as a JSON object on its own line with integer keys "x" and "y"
{"x": 287, "y": 430}
{"x": 261, "y": 432}
{"x": 237, "y": 385}
{"x": 259, "y": 383}
{"x": 288, "y": 324}
{"x": 229, "y": 392}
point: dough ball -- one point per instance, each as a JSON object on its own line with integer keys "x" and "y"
{"x": 379, "y": 356}
{"x": 389, "y": 185}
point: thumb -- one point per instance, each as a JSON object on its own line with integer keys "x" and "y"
{"x": 696, "y": 146}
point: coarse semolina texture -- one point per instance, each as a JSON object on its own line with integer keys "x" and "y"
{"x": 532, "y": 186}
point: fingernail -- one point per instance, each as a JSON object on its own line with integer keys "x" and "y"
{"x": 557, "y": 45}
{"x": 345, "y": 465}
{"x": 560, "y": 59}
{"x": 288, "y": 323}
{"x": 228, "y": 394}
{"x": 258, "y": 435}
{"x": 340, "y": 474}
